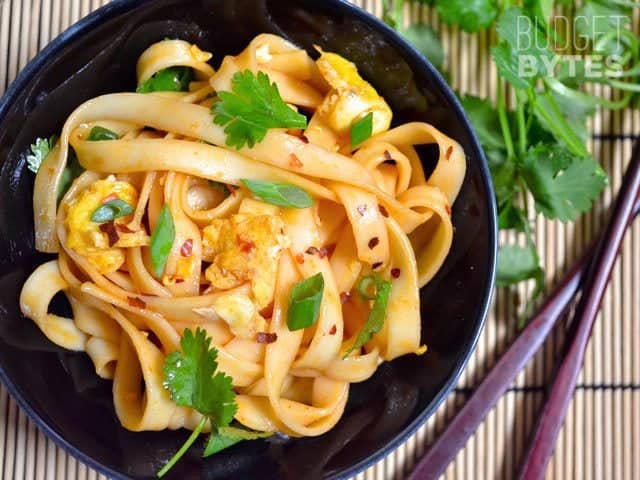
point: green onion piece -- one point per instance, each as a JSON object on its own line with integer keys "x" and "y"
{"x": 99, "y": 133}
{"x": 172, "y": 79}
{"x": 228, "y": 436}
{"x": 304, "y": 304}
{"x": 375, "y": 321}
{"x": 281, "y": 194}
{"x": 72, "y": 171}
{"x": 362, "y": 129}
{"x": 162, "y": 240}
{"x": 367, "y": 287}
{"x": 111, "y": 210}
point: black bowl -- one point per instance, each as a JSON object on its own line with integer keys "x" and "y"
{"x": 59, "y": 390}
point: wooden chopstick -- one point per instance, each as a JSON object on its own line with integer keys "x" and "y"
{"x": 596, "y": 280}
{"x": 503, "y": 373}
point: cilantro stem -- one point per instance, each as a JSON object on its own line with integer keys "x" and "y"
{"x": 504, "y": 122}
{"x": 522, "y": 126}
{"x": 192, "y": 438}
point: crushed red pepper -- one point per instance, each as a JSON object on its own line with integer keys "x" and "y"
{"x": 449, "y": 152}
{"x": 374, "y": 242}
{"x": 361, "y": 209}
{"x": 265, "y": 337}
{"x": 383, "y": 211}
{"x": 300, "y": 258}
{"x": 376, "y": 265}
{"x": 246, "y": 246}
{"x": 110, "y": 197}
{"x": 187, "y": 248}
{"x": 312, "y": 251}
{"x": 395, "y": 272}
{"x": 327, "y": 251}
{"x": 333, "y": 330}
{"x": 294, "y": 161}
{"x": 110, "y": 229}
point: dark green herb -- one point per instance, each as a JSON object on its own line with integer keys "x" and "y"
{"x": 162, "y": 240}
{"x": 375, "y": 320}
{"x": 193, "y": 380}
{"x": 172, "y": 79}
{"x": 361, "y": 130}
{"x": 281, "y": 194}
{"x": 304, "y": 302}
{"x": 251, "y": 108}
{"x": 111, "y": 210}
{"x": 99, "y": 133}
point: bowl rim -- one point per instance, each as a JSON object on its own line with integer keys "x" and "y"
{"x": 423, "y": 66}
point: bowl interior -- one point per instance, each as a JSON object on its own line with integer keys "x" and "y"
{"x": 59, "y": 389}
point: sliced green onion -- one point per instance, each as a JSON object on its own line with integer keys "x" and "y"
{"x": 375, "y": 321}
{"x": 99, "y": 133}
{"x": 304, "y": 303}
{"x": 111, "y": 210}
{"x": 162, "y": 240}
{"x": 172, "y": 79}
{"x": 362, "y": 130}
{"x": 367, "y": 287}
{"x": 281, "y": 194}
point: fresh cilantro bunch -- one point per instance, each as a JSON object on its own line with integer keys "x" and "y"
{"x": 536, "y": 147}
{"x": 193, "y": 380}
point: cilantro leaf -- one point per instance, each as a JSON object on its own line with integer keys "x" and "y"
{"x": 252, "y": 107}
{"x": 39, "y": 151}
{"x": 192, "y": 378}
{"x": 471, "y": 15}
{"x": 228, "y": 436}
{"x": 562, "y": 185}
{"x": 516, "y": 264}
{"x": 485, "y": 121}
{"x": 189, "y": 376}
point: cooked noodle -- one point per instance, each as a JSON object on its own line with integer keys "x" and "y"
{"x": 374, "y": 210}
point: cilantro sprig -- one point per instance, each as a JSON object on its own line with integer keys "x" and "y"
{"x": 39, "y": 151}
{"x": 537, "y": 148}
{"x": 193, "y": 380}
{"x": 251, "y": 108}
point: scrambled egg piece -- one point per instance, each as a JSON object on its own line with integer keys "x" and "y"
{"x": 85, "y": 236}
{"x": 239, "y": 312}
{"x": 350, "y": 97}
{"x": 244, "y": 248}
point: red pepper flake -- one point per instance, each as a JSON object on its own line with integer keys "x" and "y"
{"x": 395, "y": 272}
{"x": 300, "y": 258}
{"x": 178, "y": 279}
{"x": 110, "y": 229}
{"x": 121, "y": 227}
{"x": 294, "y": 161}
{"x": 312, "y": 251}
{"x": 109, "y": 198}
{"x": 449, "y": 152}
{"x": 264, "y": 337}
{"x": 333, "y": 330}
{"x": 374, "y": 242}
{"x": 448, "y": 209}
{"x": 344, "y": 297}
{"x": 361, "y": 209}
{"x": 383, "y": 211}
{"x": 327, "y": 251}
{"x": 136, "y": 302}
{"x": 231, "y": 188}
{"x": 304, "y": 138}
{"x": 246, "y": 246}
{"x": 376, "y": 265}
{"x": 187, "y": 248}
{"x": 388, "y": 157}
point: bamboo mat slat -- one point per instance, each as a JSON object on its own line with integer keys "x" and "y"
{"x": 601, "y": 436}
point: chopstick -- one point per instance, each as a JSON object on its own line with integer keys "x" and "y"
{"x": 504, "y": 372}
{"x": 596, "y": 280}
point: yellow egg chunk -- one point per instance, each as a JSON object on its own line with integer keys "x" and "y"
{"x": 85, "y": 236}
{"x": 351, "y": 97}
{"x": 244, "y": 248}
{"x": 239, "y": 312}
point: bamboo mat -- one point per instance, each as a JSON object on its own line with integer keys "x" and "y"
{"x": 601, "y": 436}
